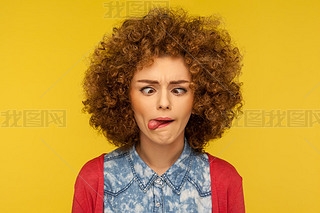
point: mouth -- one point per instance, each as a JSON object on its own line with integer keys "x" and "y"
{"x": 158, "y": 123}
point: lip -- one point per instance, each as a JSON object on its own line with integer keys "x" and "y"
{"x": 163, "y": 119}
{"x": 163, "y": 125}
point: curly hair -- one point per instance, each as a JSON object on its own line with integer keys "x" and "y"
{"x": 212, "y": 59}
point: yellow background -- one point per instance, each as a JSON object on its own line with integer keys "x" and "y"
{"x": 44, "y": 46}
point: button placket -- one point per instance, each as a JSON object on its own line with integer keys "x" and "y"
{"x": 158, "y": 195}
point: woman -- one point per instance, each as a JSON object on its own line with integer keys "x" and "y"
{"x": 160, "y": 88}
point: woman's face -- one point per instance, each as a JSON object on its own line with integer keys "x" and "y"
{"x": 162, "y": 90}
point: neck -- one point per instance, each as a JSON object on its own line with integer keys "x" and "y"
{"x": 160, "y": 157}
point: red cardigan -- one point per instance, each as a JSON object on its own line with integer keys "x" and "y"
{"x": 226, "y": 187}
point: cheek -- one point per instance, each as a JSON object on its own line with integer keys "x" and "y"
{"x": 139, "y": 105}
{"x": 186, "y": 104}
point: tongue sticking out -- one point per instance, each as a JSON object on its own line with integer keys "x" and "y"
{"x": 153, "y": 124}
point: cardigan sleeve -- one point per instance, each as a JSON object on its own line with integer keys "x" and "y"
{"x": 226, "y": 187}
{"x": 88, "y": 188}
{"x": 235, "y": 196}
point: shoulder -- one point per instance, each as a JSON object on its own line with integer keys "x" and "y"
{"x": 88, "y": 188}
{"x": 223, "y": 172}
{"x": 91, "y": 171}
{"x": 89, "y": 183}
{"x": 93, "y": 166}
{"x": 227, "y": 186}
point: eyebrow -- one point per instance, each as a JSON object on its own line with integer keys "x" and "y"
{"x": 156, "y": 82}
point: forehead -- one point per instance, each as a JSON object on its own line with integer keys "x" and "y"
{"x": 165, "y": 69}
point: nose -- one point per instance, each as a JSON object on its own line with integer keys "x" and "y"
{"x": 164, "y": 100}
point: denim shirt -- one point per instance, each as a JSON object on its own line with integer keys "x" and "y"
{"x": 130, "y": 185}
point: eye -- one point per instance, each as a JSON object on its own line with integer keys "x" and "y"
{"x": 181, "y": 89}
{"x": 144, "y": 89}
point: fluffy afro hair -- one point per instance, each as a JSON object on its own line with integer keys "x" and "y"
{"x": 212, "y": 59}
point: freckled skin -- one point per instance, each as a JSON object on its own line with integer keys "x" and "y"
{"x": 162, "y": 100}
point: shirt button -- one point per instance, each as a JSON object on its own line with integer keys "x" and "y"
{"x": 158, "y": 204}
{"x": 158, "y": 181}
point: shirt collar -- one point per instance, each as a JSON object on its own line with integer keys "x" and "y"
{"x": 175, "y": 176}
